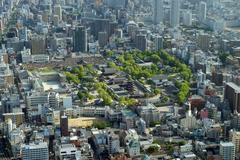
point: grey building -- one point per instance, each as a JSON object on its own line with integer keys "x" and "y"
{"x": 80, "y": 39}
{"x": 141, "y": 42}
{"x": 35, "y": 151}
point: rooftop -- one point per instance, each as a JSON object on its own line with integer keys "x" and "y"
{"x": 226, "y": 144}
{"x": 35, "y": 145}
{"x": 128, "y": 113}
{"x": 234, "y": 86}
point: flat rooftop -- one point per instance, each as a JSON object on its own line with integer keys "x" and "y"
{"x": 54, "y": 85}
{"x": 234, "y": 86}
{"x": 82, "y": 122}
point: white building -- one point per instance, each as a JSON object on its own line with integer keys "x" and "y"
{"x": 202, "y": 13}
{"x": 190, "y": 122}
{"x": 187, "y": 18}
{"x": 234, "y": 137}
{"x": 27, "y": 57}
{"x": 35, "y": 151}
{"x": 158, "y": 41}
{"x": 227, "y": 151}
{"x": 58, "y": 11}
{"x": 175, "y": 13}
{"x": 133, "y": 148}
{"x": 186, "y": 148}
{"x": 68, "y": 151}
{"x": 16, "y": 138}
{"x": 38, "y": 98}
{"x": 113, "y": 143}
{"x": 40, "y": 58}
{"x": 67, "y": 102}
{"x": 158, "y": 11}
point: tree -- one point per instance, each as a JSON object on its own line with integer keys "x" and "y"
{"x": 101, "y": 124}
{"x": 181, "y": 143}
{"x": 121, "y": 59}
{"x": 223, "y": 57}
{"x": 156, "y": 141}
{"x": 109, "y": 53}
{"x": 155, "y": 58}
{"x": 127, "y": 101}
{"x": 81, "y": 95}
{"x": 72, "y": 78}
{"x": 156, "y": 91}
{"x": 170, "y": 149}
{"x": 152, "y": 149}
{"x": 154, "y": 123}
{"x": 183, "y": 91}
{"x": 107, "y": 100}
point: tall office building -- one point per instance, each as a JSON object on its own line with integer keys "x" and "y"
{"x": 158, "y": 41}
{"x": 64, "y": 125}
{"x": 80, "y": 39}
{"x": 202, "y": 12}
{"x": 58, "y": 11}
{"x": 100, "y": 25}
{"x": 203, "y": 41}
{"x": 102, "y": 39}
{"x": 187, "y": 18}
{"x": 38, "y": 44}
{"x": 158, "y": 11}
{"x": 227, "y": 151}
{"x": 232, "y": 94}
{"x": 175, "y": 13}
{"x": 234, "y": 137}
{"x": 35, "y": 151}
{"x": 141, "y": 42}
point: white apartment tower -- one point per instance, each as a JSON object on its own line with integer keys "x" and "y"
{"x": 175, "y": 13}
{"x": 158, "y": 11}
{"x": 202, "y": 12}
{"x": 234, "y": 137}
{"x": 35, "y": 151}
{"x": 227, "y": 151}
{"x": 187, "y": 18}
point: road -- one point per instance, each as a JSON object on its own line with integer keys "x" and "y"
{"x": 4, "y": 153}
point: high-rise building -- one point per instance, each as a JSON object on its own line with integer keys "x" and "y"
{"x": 187, "y": 18}
{"x": 17, "y": 117}
{"x": 113, "y": 143}
{"x": 116, "y": 4}
{"x": 38, "y": 44}
{"x": 234, "y": 137}
{"x": 202, "y": 12}
{"x": 232, "y": 94}
{"x": 141, "y": 42}
{"x": 35, "y": 151}
{"x": 190, "y": 121}
{"x": 158, "y": 41}
{"x": 100, "y": 25}
{"x": 235, "y": 121}
{"x": 133, "y": 148}
{"x": 102, "y": 39}
{"x": 158, "y": 11}
{"x": 227, "y": 151}
{"x": 58, "y": 11}
{"x": 56, "y": 20}
{"x": 175, "y": 13}
{"x": 80, "y": 39}
{"x": 64, "y": 125}
{"x": 203, "y": 41}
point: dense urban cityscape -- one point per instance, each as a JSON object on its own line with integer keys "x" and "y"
{"x": 120, "y": 80}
